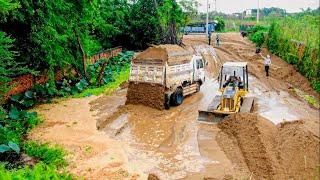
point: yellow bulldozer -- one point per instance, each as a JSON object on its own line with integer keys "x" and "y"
{"x": 232, "y": 95}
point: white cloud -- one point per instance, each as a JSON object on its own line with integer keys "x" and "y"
{"x": 231, "y": 6}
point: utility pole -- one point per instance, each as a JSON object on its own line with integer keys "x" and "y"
{"x": 258, "y": 11}
{"x": 207, "y": 20}
{"x": 215, "y": 6}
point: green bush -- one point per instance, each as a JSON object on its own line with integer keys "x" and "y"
{"x": 220, "y": 23}
{"x": 39, "y": 171}
{"x": 15, "y": 124}
{"x": 11, "y": 146}
{"x": 53, "y": 155}
{"x": 298, "y": 44}
{"x": 258, "y": 38}
{"x": 257, "y": 34}
{"x": 114, "y": 65}
{"x": 257, "y": 28}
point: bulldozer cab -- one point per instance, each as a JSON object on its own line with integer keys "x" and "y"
{"x": 234, "y": 74}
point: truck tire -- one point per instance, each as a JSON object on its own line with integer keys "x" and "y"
{"x": 177, "y": 97}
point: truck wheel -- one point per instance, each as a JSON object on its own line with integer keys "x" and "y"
{"x": 178, "y": 97}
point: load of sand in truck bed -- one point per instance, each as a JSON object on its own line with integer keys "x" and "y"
{"x": 152, "y": 95}
{"x": 172, "y": 54}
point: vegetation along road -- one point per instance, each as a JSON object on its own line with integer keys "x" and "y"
{"x": 64, "y": 78}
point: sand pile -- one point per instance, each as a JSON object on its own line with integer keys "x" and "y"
{"x": 172, "y": 54}
{"x": 298, "y": 150}
{"x": 271, "y": 152}
{"x": 147, "y": 94}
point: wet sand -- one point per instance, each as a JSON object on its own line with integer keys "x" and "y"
{"x": 110, "y": 140}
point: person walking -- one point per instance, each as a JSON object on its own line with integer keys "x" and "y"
{"x": 218, "y": 40}
{"x": 209, "y": 38}
{"x": 267, "y": 63}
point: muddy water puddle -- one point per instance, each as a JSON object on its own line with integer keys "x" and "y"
{"x": 171, "y": 144}
{"x": 160, "y": 142}
{"x": 278, "y": 106}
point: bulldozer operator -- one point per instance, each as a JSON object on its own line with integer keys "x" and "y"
{"x": 233, "y": 81}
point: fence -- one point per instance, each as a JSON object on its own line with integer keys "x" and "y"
{"x": 25, "y": 82}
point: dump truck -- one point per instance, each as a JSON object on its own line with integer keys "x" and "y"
{"x": 232, "y": 96}
{"x": 163, "y": 75}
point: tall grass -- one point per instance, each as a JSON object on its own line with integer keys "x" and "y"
{"x": 296, "y": 40}
{"x": 304, "y": 29}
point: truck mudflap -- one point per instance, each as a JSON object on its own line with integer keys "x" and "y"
{"x": 167, "y": 101}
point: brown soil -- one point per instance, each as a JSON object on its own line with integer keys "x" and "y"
{"x": 271, "y": 152}
{"x": 283, "y": 76}
{"x": 244, "y": 128}
{"x": 146, "y": 94}
{"x": 26, "y": 82}
{"x": 298, "y": 150}
{"x": 124, "y": 85}
{"x": 164, "y": 53}
{"x": 153, "y": 177}
{"x": 108, "y": 139}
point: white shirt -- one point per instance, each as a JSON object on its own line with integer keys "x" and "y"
{"x": 267, "y": 61}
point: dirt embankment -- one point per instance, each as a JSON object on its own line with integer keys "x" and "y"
{"x": 146, "y": 94}
{"x": 283, "y": 76}
{"x": 286, "y": 151}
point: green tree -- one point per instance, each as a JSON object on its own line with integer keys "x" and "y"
{"x": 171, "y": 17}
{"x": 8, "y": 67}
{"x": 7, "y": 5}
{"x": 190, "y": 10}
{"x": 144, "y": 25}
{"x": 220, "y": 24}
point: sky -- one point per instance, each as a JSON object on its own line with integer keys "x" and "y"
{"x": 232, "y": 6}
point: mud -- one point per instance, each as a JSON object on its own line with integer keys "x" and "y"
{"x": 270, "y": 152}
{"x": 109, "y": 139}
{"x": 147, "y": 94}
{"x": 244, "y": 128}
{"x": 298, "y": 150}
{"x": 283, "y": 75}
{"x": 153, "y": 177}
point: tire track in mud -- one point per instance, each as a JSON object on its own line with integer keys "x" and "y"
{"x": 172, "y": 133}
{"x": 265, "y": 161}
{"x": 137, "y": 132}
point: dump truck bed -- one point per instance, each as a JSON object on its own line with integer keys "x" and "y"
{"x": 157, "y": 73}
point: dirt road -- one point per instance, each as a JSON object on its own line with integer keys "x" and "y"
{"x": 109, "y": 140}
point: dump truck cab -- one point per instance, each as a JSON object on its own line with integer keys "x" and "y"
{"x": 198, "y": 64}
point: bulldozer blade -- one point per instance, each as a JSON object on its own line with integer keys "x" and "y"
{"x": 247, "y": 105}
{"x": 207, "y": 117}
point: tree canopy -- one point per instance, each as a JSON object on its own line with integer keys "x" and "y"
{"x": 45, "y": 35}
